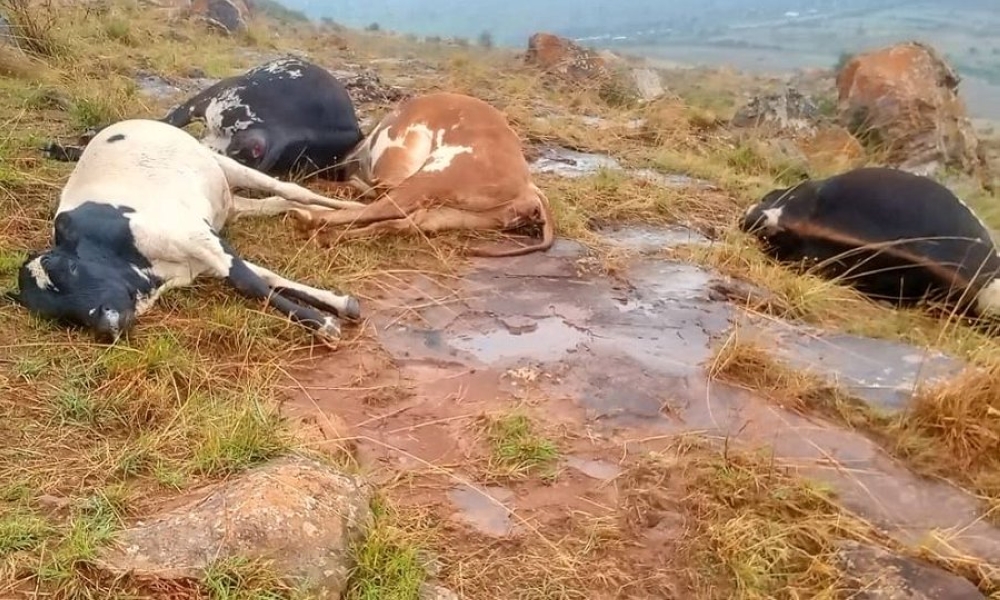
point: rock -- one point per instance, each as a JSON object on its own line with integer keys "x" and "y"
{"x": 367, "y": 87}
{"x": 565, "y": 58}
{"x": 229, "y": 16}
{"x": 7, "y": 37}
{"x": 648, "y": 84}
{"x": 876, "y": 574}
{"x": 430, "y": 591}
{"x": 905, "y": 97}
{"x": 789, "y": 110}
{"x": 298, "y": 513}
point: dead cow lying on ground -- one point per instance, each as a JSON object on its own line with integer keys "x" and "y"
{"x": 892, "y": 235}
{"x": 140, "y": 214}
{"x": 446, "y": 162}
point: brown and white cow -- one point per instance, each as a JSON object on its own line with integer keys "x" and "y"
{"x": 445, "y": 161}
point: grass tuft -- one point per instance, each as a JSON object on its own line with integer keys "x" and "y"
{"x": 516, "y": 449}
{"x": 388, "y": 564}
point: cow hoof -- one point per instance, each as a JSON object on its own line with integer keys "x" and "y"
{"x": 329, "y": 330}
{"x": 352, "y": 310}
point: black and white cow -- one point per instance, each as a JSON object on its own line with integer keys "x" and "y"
{"x": 893, "y": 235}
{"x": 140, "y": 214}
{"x": 281, "y": 117}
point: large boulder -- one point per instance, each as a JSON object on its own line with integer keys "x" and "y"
{"x": 229, "y": 16}
{"x": 294, "y": 512}
{"x": 905, "y": 99}
{"x": 560, "y": 56}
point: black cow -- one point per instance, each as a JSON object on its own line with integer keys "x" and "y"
{"x": 892, "y": 235}
{"x": 282, "y": 117}
{"x": 141, "y": 214}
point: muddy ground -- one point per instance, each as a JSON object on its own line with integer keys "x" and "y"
{"x": 609, "y": 367}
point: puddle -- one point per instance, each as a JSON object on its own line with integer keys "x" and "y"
{"x": 545, "y": 339}
{"x": 484, "y": 509}
{"x": 648, "y": 238}
{"x": 571, "y": 163}
{"x": 596, "y": 469}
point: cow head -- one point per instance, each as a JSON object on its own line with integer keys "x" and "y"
{"x": 92, "y": 276}
{"x": 251, "y": 147}
{"x": 763, "y": 219}
{"x": 92, "y": 294}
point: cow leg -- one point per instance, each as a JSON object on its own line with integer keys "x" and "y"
{"x": 428, "y": 221}
{"x": 384, "y": 209}
{"x": 222, "y": 261}
{"x": 242, "y": 176}
{"x": 259, "y": 207}
{"x": 347, "y": 307}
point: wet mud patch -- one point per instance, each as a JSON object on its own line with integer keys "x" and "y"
{"x": 607, "y": 369}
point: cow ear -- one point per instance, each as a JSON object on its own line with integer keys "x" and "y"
{"x": 64, "y": 233}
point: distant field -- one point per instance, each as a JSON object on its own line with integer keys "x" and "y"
{"x": 967, "y": 37}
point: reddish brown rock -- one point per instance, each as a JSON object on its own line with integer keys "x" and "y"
{"x": 564, "y": 57}
{"x": 905, "y": 98}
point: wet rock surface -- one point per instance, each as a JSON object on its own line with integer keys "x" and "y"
{"x": 296, "y": 512}
{"x": 572, "y": 163}
{"x": 876, "y": 574}
{"x": 627, "y": 360}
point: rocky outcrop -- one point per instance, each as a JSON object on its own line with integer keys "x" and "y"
{"x": 567, "y": 60}
{"x": 876, "y": 574}
{"x": 904, "y": 99}
{"x": 563, "y": 57}
{"x": 789, "y": 110}
{"x": 297, "y": 513}
{"x": 228, "y": 16}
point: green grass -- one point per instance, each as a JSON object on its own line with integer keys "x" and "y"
{"x": 517, "y": 449}
{"x": 388, "y": 562}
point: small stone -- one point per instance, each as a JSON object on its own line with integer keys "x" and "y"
{"x": 517, "y": 324}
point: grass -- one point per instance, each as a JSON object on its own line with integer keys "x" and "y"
{"x": 516, "y": 449}
{"x": 192, "y": 397}
{"x": 389, "y": 561}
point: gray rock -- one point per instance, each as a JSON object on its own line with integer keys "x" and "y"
{"x": 225, "y": 15}
{"x": 647, "y": 84}
{"x": 295, "y": 512}
{"x": 877, "y": 574}
{"x": 7, "y": 37}
{"x": 789, "y": 110}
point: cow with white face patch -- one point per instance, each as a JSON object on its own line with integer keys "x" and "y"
{"x": 283, "y": 117}
{"x": 445, "y": 162}
{"x": 140, "y": 214}
{"x": 893, "y": 235}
